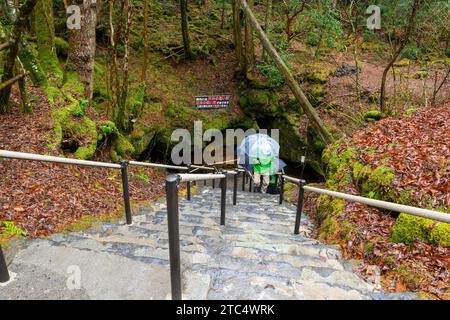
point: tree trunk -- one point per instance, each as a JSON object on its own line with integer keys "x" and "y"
{"x": 8, "y": 69}
{"x": 82, "y": 47}
{"x": 291, "y": 82}
{"x": 437, "y": 87}
{"x": 237, "y": 34}
{"x": 222, "y": 25}
{"x": 26, "y": 105}
{"x": 249, "y": 46}
{"x": 145, "y": 40}
{"x": 185, "y": 30}
{"x": 409, "y": 29}
{"x": 122, "y": 116}
{"x": 267, "y": 24}
{"x": 26, "y": 54}
{"x": 43, "y": 22}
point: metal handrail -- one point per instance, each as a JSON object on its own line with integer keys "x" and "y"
{"x": 157, "y": 165}
{"x": 42, "y": 158}
{"x": 202, "y": 167}
{"x": 419, "y": 212}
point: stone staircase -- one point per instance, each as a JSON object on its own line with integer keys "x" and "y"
{"x": 255, "y": 256}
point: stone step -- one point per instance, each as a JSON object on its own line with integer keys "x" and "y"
{"x": 254, "y": 256}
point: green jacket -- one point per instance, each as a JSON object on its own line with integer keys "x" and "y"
{"x": 265, "y": 166}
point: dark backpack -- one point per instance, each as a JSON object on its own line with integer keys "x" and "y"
{"x": 273, "y": 189}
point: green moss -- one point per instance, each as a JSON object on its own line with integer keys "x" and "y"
{"x": 260, "y": 103}
{"x": 338, "y": 164}
{"x": 329, "y": 209}
{"x": 377, "y": 182}
{"x": 440, "y": 235}
{"x": 31, "y": 64}
{"x": 373, "y": 115}
{"x": 45, "y": 37}
{"x": 420, "y": 74}
{"x": 53, "y": 95}
{"x": 60, "y": 43}
{"x": 411, "y": 277}
{"x": 402, "y": 63}
{"x": 72, "y": 87}
{"x": 100, "y": 84}
{"x": 120, "y": 146}
{"x": 82, "y": 131}
{"x": 316, "y": 73}
{"x": 408, "y": 229}
{"x": 316, "y": 93}
{"x": 86, "y": 152}
{"x": 410, "y": 111}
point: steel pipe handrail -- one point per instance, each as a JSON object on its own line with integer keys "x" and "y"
{"x": 191, "y": 177}
{"x": 52, "y": 159}
{"x": 194, "y": 166}
{"x": 291, "y": 179}
{"x": 157, "y": 165}
{"x": 419, "y": 212}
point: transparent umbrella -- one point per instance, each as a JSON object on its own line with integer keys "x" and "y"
{"x": 259, "y": 147}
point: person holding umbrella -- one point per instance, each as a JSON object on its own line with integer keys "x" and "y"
{"x": 263, "y": 168}
{"x": 259, "y": 153}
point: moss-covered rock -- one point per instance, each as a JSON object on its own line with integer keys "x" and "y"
{"x": 402, "y": 63}
{"x": 421, "y": 74}
{"x": 343, "y": 167}
{"x": 120, "y": 146}
{"x": 374, "y": 115}
{"x": 408, "y": 229}
{"x": 77, "y": 133}
{"x": 316, "y": 93}
{"x": 316, "y": 73}
{"x": 260, "y": 103}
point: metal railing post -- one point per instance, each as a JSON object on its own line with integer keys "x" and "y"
{"x": 244, "y": 176}
{"x": 126, "y": 191}
{"x": 250, "y": 183}
{"x": 188, "y": 194}
{"x": 281, "y": 189}
{"x": 4, "y": 274}
{"x": 223, "y": 199}
{"x": 188, "y": 187}
{"x": 174, "y": 235}
{"x": 235, "y": 187}
{"x": 213, "y": 183}
{"x": 301, "y": 196}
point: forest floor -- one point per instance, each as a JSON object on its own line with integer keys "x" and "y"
{"x": 42, "y": 198}
{"x": 416, "y": 147}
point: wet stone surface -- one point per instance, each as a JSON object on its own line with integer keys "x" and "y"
{"x": 254, "y": 256}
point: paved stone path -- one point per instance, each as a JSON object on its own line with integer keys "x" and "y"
{"x": 255, "y": 256}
